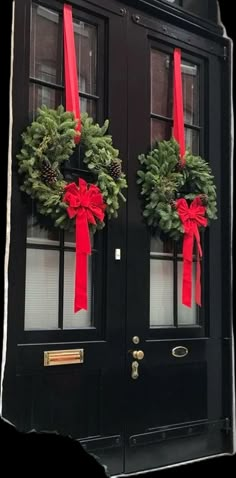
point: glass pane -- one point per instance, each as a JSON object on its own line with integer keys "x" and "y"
{"x": 86, "y": 53}
{"x": 46, "y": 45}
{"x": 40, "y": 95}
{"x": 88, "y": 106}
{"x": 41, "y": 297}
{"x": 161, "y": 293}
{"x": 192, "y": 140}
{"x": 161, "y": 83}
{"x": 83, "y": 317}
{"x": 162, "y": 88}
{"x": 179, "y": 248}
{"x": 200, "y": 7}
{"x": 159, "y": 246}
{"x": 190, "y": 81}
{"x": 160, "y": 130}
{"x": 69, "y": 238}
{"x": 186, "y": 315}
{"x": 40, "y": 235}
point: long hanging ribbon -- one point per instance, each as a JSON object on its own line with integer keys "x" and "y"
{"x": 84, "y": 203}
{"x": 71, "y": 77}
{"x": 178, "y": 110}
{"x": 191, "y": 217}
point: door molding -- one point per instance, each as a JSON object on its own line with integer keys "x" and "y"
{"x": 176, "y": 33}
{"x": 179, "y": 16}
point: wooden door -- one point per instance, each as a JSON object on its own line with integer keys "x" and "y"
{"x": 81, "y": 400}
{"x": 177, "y": 403}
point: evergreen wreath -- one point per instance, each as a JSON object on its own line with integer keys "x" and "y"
{"x": 48, "y": 143}
{"x": 163, "y": 179}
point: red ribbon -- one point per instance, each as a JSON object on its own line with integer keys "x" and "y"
{"x": 178, "y": 126}
{"x": 192, "y": 217}
{"x": 71, "y": 77}
{"x": 85, "y": 203}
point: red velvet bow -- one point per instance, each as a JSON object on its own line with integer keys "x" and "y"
{"x": 192, "y": 217}
{"x": 85, "y": 202}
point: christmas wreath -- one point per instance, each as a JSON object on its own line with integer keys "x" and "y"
{"x": 179, "y": 200}
{"x": 47, "y": 144}
{"x": 164, "y": 180}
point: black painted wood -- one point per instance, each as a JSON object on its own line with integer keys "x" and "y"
{"x": 180, "y": 16}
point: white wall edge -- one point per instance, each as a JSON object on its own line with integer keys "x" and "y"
{"x": 231, "y": 231}
{"x": 8, "y": 211}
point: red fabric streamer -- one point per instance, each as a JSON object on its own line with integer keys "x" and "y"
{"x": 85, "y": 203}
{"x": 191, "y": 217}
{"x": 178, "y": 113}
{"x": 71, "y": 77}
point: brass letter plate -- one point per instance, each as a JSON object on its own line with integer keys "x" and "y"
{"x": 63, "y": 357}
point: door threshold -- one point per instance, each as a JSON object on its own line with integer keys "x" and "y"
{"x": 136, "y": 473}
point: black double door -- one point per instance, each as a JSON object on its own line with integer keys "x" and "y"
{"x": 132, "y": 401}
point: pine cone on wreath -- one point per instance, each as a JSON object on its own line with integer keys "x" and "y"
{"x": 115, "y": 169}
{"x": 204, "y": 199}
{"x": 47, "y": 173}
{"x": 173, "y": 203}
{"x": 169, "y": 195}
{"x": 181, "y": 165}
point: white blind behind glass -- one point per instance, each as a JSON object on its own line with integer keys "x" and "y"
{"x": 41, "y": 293}
{"x": 161, "y": 293}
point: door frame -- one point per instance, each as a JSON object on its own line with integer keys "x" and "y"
{"x": 20, "y": 119}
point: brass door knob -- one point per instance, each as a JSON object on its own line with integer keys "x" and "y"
{"x": 138, "y": 354}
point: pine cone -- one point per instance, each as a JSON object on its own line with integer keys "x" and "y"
{"x": 115, "y": 169}
{"x": 169, "y": 195}
{"x": 173, "y": 203}
{"x": 48, "y": 174}
{"x": 181, "y": 165}
{"x": 204, "y": 199}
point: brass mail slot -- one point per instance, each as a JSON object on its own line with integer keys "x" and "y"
{"x": 63, "y": 357}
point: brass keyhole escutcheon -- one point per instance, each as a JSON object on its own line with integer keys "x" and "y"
{"x": 180, "y": 351}
{"x": 138, "y": 354}
{"x": 136, "y": 340}
{"x": 134, "y": 373}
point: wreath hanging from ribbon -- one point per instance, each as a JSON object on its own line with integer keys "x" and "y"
{"x": 178, "y": 190}
{"x": 48, "y": 144}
